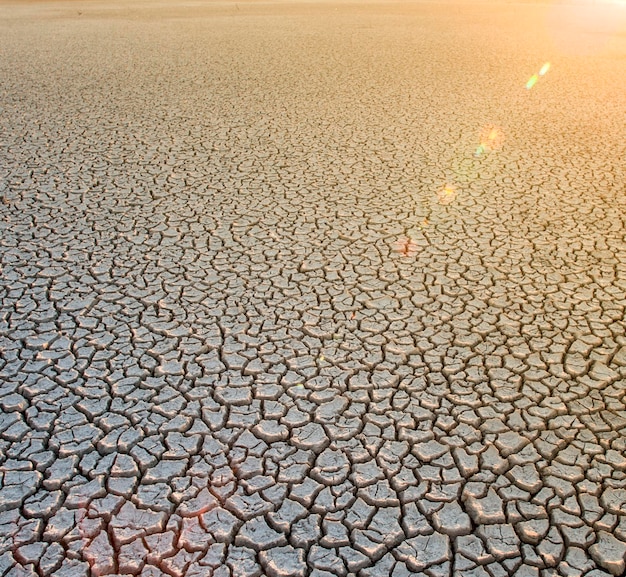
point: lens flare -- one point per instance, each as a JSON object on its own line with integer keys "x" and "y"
{"x": 491, "y": 138}
{"x": 446, "y": 195}
{"x": 535, "y": 77}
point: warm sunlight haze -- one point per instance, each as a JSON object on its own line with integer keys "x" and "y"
{"x": 313, "y": 288}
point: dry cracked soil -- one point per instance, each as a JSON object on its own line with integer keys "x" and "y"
{"x": 312, "y": 289}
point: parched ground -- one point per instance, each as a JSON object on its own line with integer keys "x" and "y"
{"x": 312, "y": 289}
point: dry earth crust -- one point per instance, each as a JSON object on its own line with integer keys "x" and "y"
{"x": 266, "y": 309}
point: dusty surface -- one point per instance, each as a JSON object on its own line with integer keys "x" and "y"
{"x": 312, "y": 289}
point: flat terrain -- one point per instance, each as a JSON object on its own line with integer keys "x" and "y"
{"x": 312, "y": 289}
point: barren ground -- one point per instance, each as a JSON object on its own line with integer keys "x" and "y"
{"x": 308, "y": 289}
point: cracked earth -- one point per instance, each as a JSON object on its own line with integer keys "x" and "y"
{"x": 266, "y": 309}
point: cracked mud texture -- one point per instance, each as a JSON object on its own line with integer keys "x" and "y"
{"x": 243, "y": 332}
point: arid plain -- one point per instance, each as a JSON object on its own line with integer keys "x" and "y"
{"x": 312, "y": 289}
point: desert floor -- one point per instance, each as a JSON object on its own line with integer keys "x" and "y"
{"x": 312, "y": 289}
